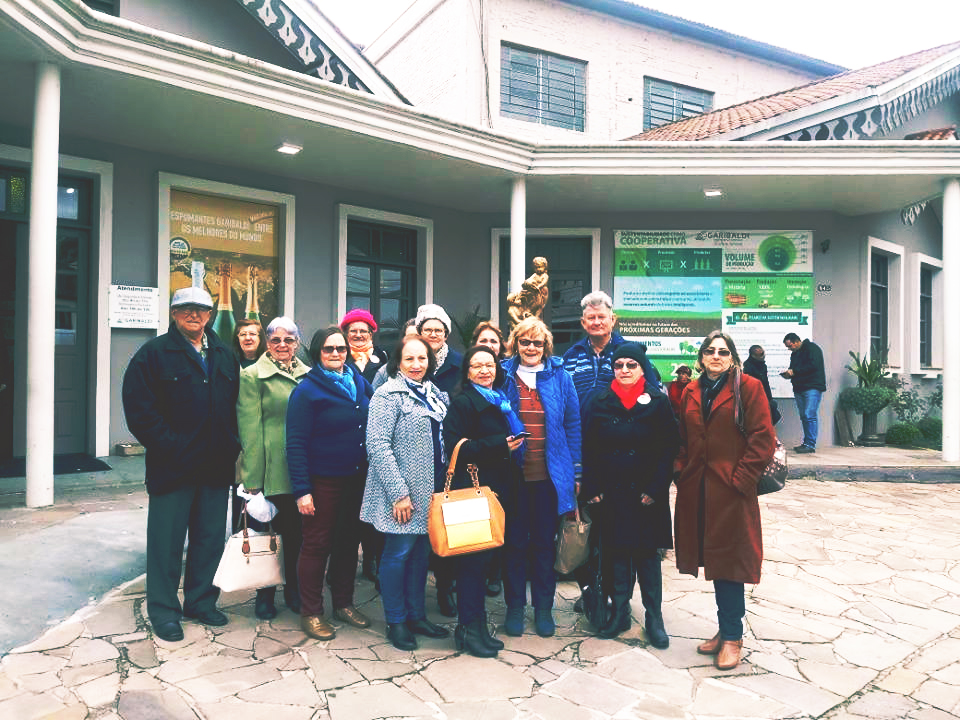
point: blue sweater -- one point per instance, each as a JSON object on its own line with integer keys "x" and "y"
{"x": 326, "y": 430}
{"x": 591, "y": 371}
{"x": 562, "y": 415}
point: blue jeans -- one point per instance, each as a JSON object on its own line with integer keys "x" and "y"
{"x": 731, "y": 607}
{"x": 403, "y": 577}
{"x": 808, "y": 405}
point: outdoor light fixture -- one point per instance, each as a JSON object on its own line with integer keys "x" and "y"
{"x": 712, "y": 192}
{"x": 289, "y": 148}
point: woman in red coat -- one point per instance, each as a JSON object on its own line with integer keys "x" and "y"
{"x": 717, "y": 517}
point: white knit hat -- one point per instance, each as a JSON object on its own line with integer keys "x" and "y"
{"x": 432, "y": 312}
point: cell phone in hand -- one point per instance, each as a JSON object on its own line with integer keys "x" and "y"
{"x": 522, "y": 435}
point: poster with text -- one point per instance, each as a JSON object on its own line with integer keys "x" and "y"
{"x": 230, "y": 248}
{"x": 673, "y": 287}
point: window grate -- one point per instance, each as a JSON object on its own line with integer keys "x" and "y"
{"x": 542, "y": 88}
{"x": 665, "y": 102}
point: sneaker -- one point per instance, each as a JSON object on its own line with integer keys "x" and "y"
{"x": 543, "y": 619}
{"x": 513, "y": 623}
{"x": 804, "y": 450}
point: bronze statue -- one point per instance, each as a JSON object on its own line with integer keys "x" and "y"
{"x": 531, "y": 299}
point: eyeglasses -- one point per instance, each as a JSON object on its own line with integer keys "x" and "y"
{"x": 251, "y": 334}
{"x": 285, "y": 341}
{"x": 722, "y": 352}
{"x": 485, "y": 366}
{"x": 527, "y": 342}
{"x": 433, "y": 331}
{"x": 192, "y": 309}
{"x": 331, "y": 349}
{"x": 626, "y": 365}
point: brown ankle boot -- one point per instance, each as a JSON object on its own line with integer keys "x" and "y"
{"x": 729, "y": 656}
{"x": 710, "y": 647}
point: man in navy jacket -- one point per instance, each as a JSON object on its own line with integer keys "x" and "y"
{"x": 807, "y": 374}
{"x": 180, "y": 401}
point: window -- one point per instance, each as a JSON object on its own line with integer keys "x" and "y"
{"x": 110, "y": 7}
{"x": 542, "y": 88}
{"x": 879, "y": 305}
{"x": 381, "y": 275}
{"x": 926, "y": 317}
{"x": 664, "y": 102}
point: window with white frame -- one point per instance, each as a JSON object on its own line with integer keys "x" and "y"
{"x": 665, "y": 102}
{"x": 926, "y": 316}
{"x": 542, "y": 88}
{"x": 884, "y": 302}
{"x": 926, "y": 324}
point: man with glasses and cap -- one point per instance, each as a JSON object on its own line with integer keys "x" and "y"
{"x": 180, "y": 399}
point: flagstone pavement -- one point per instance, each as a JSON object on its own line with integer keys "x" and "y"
{"x": 857, "y": 616}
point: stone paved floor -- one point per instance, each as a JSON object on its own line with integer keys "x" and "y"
{"x": 857, "y": 616}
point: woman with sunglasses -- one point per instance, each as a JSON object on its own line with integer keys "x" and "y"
{"x": 327, "y": 456}
{"x": 265, "y": 389}
{"x": 547, "y": 404}
{"x": 630, "y": 440}
{"x": 723, "y": 451}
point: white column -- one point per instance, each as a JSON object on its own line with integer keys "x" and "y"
{"x": 951, "y": 320}
{"x": 41, "y": 286}
{"x": 518, "y": 233}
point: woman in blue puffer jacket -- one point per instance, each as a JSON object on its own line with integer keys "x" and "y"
{"x": 546, "y": 401}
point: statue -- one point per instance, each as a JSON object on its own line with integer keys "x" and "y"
{"x": 531, "y": 299}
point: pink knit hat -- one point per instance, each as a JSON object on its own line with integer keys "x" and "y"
{"x": 358, "y": 315}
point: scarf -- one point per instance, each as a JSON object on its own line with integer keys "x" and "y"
{"x": 628, "y": 394}
{"x": 343, "y": 380}
{"x": 497, "y": 398}
{"x": 362, "y": 352}
{"x": 288, "y": 368}
{"x": 528, "y": 375}
{"x": 442, "y": 355}
{"x": 709, "y": 389}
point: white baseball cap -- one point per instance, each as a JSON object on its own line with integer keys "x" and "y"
{"x": 192, "y": 296}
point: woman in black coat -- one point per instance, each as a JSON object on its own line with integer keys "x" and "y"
{"x": 483, "y": 415}
{"x": 630, "y": 439}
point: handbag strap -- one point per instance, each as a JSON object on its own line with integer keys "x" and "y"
{"x": 452, "y": 469}
{"x": 246, "y": 534}
{"x": 738, "y": 402}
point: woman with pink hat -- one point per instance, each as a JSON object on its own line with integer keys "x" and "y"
{"x": 359, "y": 326}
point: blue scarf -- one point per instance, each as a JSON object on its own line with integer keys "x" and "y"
{"x": 343, "y": 380}
{"x": 497, "y": 398}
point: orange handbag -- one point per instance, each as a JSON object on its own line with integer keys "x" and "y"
{"x": 464, "y": 521}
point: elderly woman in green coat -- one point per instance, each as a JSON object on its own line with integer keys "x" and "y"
{"x": 265, "y": 388}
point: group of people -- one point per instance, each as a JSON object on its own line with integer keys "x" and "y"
{"x": 352, "y": 447}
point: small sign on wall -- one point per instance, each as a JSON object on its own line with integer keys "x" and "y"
{"x": 132, "y": 306}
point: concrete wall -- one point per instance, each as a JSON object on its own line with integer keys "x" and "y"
{"x": 435, "y": 72}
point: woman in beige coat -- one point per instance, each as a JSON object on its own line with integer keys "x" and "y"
{"x": 265, "y": 388}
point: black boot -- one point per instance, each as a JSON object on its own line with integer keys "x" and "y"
{"x": 621, "y": 571}
{"x": 264, "y": 607}
{"x": 470, "y": 637}
{"x": 649, "y": 575}
{"x": 489, "y": 639}
{"x": 446, "y": 600}
{"x": 291, "y": 596}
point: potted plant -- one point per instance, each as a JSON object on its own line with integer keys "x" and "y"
{"x": 871, "y": 395}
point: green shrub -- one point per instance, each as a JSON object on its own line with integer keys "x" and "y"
{"x": 903, "y": 433}
{"x": 866, "y": 400}
{"x": 931, "y": 427}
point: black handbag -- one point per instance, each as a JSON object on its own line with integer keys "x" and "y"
{"x": 774, "y": 475}
{"x": 594, "y": 599}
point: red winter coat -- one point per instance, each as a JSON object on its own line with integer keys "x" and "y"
{"x": 717, "y": 457}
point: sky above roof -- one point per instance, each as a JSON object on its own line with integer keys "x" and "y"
{"x": 852, "y": 33}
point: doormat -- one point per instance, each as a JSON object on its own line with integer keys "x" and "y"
{"x": 62, "y": 465}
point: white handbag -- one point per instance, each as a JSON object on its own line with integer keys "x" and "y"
{"x": 250, "y": 560}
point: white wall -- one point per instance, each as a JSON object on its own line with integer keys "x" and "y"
{"x": 437, "y": 64}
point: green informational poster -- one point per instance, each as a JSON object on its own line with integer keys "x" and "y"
{"x": 673, "y": 287}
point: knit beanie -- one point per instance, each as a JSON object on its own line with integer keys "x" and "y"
{"x": 432, "y": 312}
{"x": 358, "y": 315}
{"x": 632, "y": 350}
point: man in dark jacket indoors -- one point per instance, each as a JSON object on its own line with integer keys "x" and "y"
{"x": 180, "y": 401}
{"x": 756, "y": 366}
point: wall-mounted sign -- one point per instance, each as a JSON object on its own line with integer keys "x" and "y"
{"x": 673, "y": 287}
{"x": 228, "y": 247}
{"x": 132, "y": 306}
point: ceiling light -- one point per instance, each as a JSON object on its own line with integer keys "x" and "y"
{"x": 289, "y": 149}
{"x": 71, "y": 191}
{"x": 712, "y": 192}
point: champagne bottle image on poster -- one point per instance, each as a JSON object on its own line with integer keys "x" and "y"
{"x": 253, "y": 307}
{"x": 225, "y": 324}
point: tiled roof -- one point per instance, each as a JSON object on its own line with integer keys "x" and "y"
{"x": 947, "y": 133}
{"x": 716, "y": 123}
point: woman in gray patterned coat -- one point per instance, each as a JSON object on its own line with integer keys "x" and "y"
{"x": 406, "y": 459}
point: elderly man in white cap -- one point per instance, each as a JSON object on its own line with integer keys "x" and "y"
{"x": 180, "y": 401}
